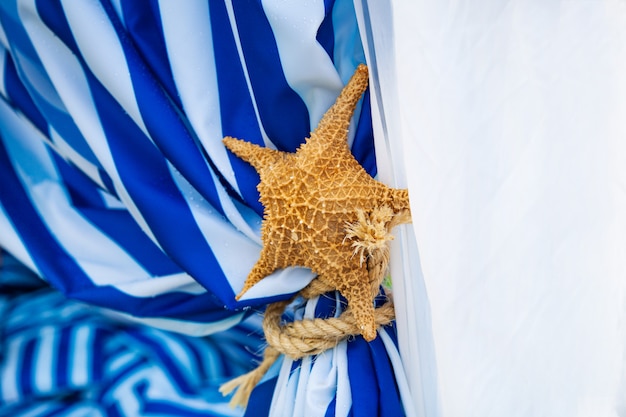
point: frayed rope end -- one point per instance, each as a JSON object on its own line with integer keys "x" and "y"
{"x": 244, "y": 384}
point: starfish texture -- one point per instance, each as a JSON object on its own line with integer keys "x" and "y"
{"x": 311, "y": 197}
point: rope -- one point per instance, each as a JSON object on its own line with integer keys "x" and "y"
{"x": 245, "y": 383}
{"x": 313, "y": 336}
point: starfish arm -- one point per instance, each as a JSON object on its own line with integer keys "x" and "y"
{"x": 335, "y": 122}
{"x": 358, "y": 292}
{"x": 400, "y": 199}
{"x": 260, "y": 270}
{"x": 257, "y": 156}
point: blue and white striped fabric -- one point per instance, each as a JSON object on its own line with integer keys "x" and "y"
{"x": 356, "y": 378}
{"x": 64, "y": 358}
{"x": 116, "y": 188}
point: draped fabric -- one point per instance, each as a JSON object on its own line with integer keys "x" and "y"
{"x": 508, "y": 120}
{"x": 355, "y": 378}
{"x": 65, "y": 358}
{"x": 115, "y": 189}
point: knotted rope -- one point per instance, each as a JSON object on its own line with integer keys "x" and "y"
{"x": 306, "y": 337}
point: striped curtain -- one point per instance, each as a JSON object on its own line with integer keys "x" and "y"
{"x": 115, "y": 186}
{"x": 116, "y": 190}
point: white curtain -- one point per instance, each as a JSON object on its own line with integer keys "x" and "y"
{"x": 507, "y": 121}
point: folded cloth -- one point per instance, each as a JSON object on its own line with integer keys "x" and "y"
{"x": 61, "y": 357}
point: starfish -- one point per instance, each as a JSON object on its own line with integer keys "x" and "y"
{"x": 312, "y": 198}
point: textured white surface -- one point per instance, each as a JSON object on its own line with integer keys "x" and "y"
{"x": 513, "y": 118}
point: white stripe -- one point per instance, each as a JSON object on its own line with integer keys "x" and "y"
{"x": 178, "y": 351}
{"x": 85, "y": 410}
{"x": 102, "y": 51}
{"x": 285, "y": 390}
{"x": 307, "y": 67}
{"x": 80, "y": 360}
{"x": 45, "y": 354}
{"x": 66, "y": 73}
{"x": 348, "y": 50}
{"x": 120, "y": 360}
{"x": 344, "y": 390}
{"x": 398, "y": 370}
{"x": 282, "y": 281}
{"x": 3, "y": 38}
{"x": 188, "y": 38}
{"x": 181, "y": 282}
{"x": 321, "y": 382}
{"x": 185, "y": 327}
{"x": 12, "y": 357}
{"x": 3, "y": 59}
{"x": 110, "y": 201}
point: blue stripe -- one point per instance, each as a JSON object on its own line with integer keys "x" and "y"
{"x": 326, "y": 32}
{"x": 327, "y": 305}
{"x": 16, "y": 35}
{"x": 82, "y": 191}
{"x": 63, "y": 364}
{"x": 64, "y": 124}
{"x": 283, "y": 113}
{"x": 203, "y": 308}
{"x": 196, "y": 353}
{"x": 116, "y": 224}
{"x": 98, "y": 354}
{"x": 237, "y": 114}
{"x": 261, "y": 398}
{"x": 391, "y": 403}
{"x": 363, "y": 145}
{"x": 143, "y": 23}
{"x": 147, "y": 179}
{"x": 113, "y": 410}
{"x": 51, "y": 14}
{"x": 363, "y": 379}
{"x": 330, "y": 411}
{"x": 27, "y": 370}
{"x": 162, "y": 121}
{"x": 19, "y": 97}
{"x": 108, "y": 183}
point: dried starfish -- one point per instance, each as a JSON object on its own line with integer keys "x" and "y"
{"x": 311, "y": 197}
